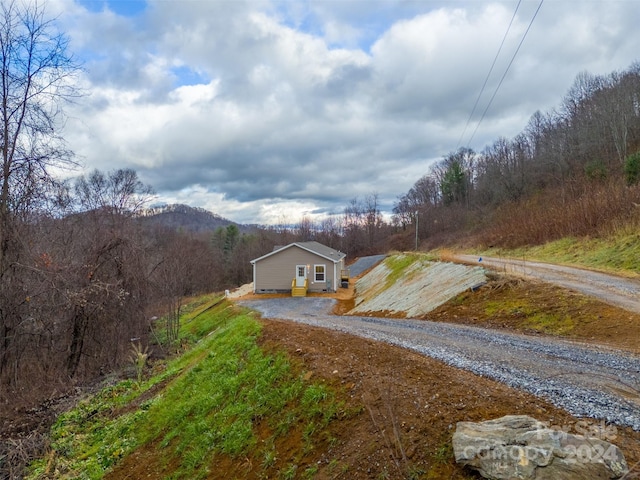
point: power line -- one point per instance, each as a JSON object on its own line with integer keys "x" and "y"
{"x": 473, "y": 110}
{"x": 505, "y": 72}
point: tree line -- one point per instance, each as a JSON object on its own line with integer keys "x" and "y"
{"x": 571, "y": 170}
{"x": 81, "y": 275}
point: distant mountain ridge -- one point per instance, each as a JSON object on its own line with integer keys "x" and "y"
{"x": 179, "y": 216}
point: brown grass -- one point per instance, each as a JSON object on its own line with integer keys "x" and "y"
{"x": 591, "y": 209}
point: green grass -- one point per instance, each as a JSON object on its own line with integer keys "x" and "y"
{"x": 619, "y": 252}
{"x": 532, "y": 317}
{"x": 399, "y": 263}
{"x": 207, "y": 403}
{"x": 550, "y": 323}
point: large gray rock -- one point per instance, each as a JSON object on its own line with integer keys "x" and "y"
{"x": 521, "y": 447}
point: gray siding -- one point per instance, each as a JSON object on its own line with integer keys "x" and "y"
{"x": 276, "y": 272}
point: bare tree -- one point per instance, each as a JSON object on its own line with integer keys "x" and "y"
{"x": 35, "y": 80}
{"x": 106, "y": 280}
{"x": 170, "y": 275}
{"x": 306, "y": 229}
{"x": 119, "y": 192}
{"x": 372, "y": 217}
{"x": 352, "y": 226}
{"x": 329, "y": 232}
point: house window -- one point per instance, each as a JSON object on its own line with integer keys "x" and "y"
{"x": 319, "y": 273}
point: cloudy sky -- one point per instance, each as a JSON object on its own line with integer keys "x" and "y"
{"x": 265, "y": 110}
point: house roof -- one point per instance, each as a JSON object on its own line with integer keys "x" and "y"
{"x": 317, "y": 248}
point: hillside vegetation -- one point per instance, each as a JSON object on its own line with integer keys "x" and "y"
{"x": 185, "y": 218}
{"x": 249, "y": 398}
{"x": 572, "y": 171}
{"x": 224, "y": 398}
{"x": 618, "y": 252}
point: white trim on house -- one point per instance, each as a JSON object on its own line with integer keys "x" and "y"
{"x": 332, "y": 254}
{"x": 324, "y": 273}
{"x": 253, "y": 266}
{"x": 300, "y": 279}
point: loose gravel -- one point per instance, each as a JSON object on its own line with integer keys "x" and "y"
{"x": 584, "y": 380}
{"x": 363, "y": 264}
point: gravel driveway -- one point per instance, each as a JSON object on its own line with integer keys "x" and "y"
{"x": 618, "y": 291}
{"x": 364, "y": 263}
{"x": 586, "y": 381}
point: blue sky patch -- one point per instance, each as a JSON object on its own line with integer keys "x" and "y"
{"x": 187, "y": 76}
{"x": 125, "y": 8}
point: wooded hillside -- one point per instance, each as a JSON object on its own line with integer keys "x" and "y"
{"x": 572, "y": 171}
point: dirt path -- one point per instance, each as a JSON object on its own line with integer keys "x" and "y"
{"x": 614, "y": 290}
{"x": 586, "y": 381}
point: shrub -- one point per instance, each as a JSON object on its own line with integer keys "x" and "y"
{"x": 632, "y": 168}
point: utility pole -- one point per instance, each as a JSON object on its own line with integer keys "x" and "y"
{"x": 416, "y": 230}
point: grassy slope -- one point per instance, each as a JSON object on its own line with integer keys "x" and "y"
{"x": 618, "y": 253}
{"x": 227, "y": 400}
{"x": 553, "y": 310}
{"x": 225, "y": 397}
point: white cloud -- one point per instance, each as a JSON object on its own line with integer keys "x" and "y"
{"x": 300, "y": 106}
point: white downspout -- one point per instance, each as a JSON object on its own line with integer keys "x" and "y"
{"x": 254, "y": 276}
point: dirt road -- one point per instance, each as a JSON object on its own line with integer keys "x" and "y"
{"x": 618, "y": 291}
{"x": 586, "y": 381}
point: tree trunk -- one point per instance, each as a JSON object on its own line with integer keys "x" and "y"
{"x": 80, "y": 324}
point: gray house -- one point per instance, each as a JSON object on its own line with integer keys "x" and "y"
{"x": 297, "y": 268}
